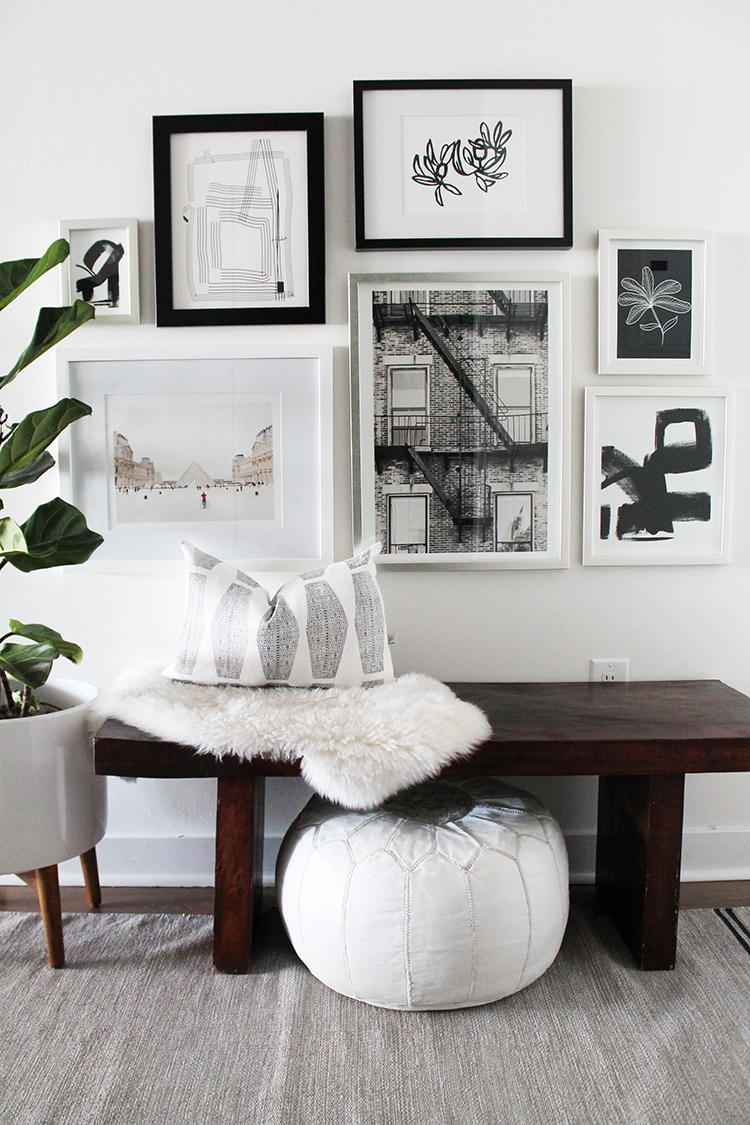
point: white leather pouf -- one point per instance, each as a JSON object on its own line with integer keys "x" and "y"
{"x": 451, "y": 894}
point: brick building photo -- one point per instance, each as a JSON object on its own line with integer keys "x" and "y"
{"x": 461, "y": 404}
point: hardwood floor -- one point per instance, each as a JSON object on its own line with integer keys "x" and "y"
{"x": 200, "y": 900}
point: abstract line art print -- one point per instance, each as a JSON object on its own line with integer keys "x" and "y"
{"x": 238, "y": 225}
{"x": 656, "y": 476}
{"x": 235, "y": 241}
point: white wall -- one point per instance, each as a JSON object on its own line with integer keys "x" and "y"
{"x": 662, "y": 129}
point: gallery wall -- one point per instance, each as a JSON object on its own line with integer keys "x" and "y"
{"x": 661, "y": 101}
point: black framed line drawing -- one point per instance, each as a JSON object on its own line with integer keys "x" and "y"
{"x": 655, "y": 302}
{"x": 239, "y": 219}
{"x": 102, "y": 267}
{"x": 462, "y": 164}
{"x": 459, "y": 394}
{"x": 231, "y": 450}
{"x": 657, "y": 480}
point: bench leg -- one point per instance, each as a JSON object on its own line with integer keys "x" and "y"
{"x": 239, "y": 859}
{"x": 638, "y": 853}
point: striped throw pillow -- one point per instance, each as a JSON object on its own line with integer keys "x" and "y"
{"x": 325, "y": 628}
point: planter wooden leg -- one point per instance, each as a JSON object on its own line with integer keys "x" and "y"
{"x": 91, "y": 878}
{"x": 48, "y": 890}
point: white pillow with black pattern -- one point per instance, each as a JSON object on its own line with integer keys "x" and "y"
{"x": 325, "y": 628}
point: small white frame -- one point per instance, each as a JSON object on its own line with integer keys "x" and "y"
{"x": 626, "y": 420}
{"x": 83, "y": 234}
{"x": 620, "y": 343}
{"x": 299, "y": 381}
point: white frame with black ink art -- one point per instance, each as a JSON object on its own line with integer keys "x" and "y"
{"x": 463, "y": 164}
{"x": 447, "y": 464}
{"x": 644, "y": 325}
{"x": 120, "y": 278}
{"x": 295, "y": 382}
{"x": 239, "y": 219}
{"x": 669, "y": 462}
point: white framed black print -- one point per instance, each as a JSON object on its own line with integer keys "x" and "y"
{"x": 239, "y": 219}
{"x": 463, "y": 164}
{"x": 657, "y": 476}
{"x": 655, "y": 302}
{"x": 102, "y": 267}
{"x": 459, "y": 393}
{"x": 229, "y": 449}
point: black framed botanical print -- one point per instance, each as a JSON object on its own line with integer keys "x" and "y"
{"x": 239, "y": 219}
{"x": 463, "y": 164}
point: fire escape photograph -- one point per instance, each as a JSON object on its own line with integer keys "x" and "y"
{"x": 464, "y": 410}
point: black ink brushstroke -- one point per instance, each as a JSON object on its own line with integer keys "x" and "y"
{"x": 655, "y": 509}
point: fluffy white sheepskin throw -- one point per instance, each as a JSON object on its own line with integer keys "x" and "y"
{"x": 357, "y": 746}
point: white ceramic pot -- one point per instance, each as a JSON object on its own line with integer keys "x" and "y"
{"x": 52, "y": 805}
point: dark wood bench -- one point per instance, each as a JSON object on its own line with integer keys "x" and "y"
{"x": 640, "y": 739}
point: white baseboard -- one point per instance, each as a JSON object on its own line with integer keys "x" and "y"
{"x": 138, "y": 861}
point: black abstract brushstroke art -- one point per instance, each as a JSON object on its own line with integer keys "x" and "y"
{"x": 480, "y": 159}
{"x": 654, "y": 509}
{"x": 108, "y": 271}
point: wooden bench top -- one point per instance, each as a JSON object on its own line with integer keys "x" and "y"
{"x": 640, "y": 727}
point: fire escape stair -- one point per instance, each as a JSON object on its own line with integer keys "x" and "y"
{"x": 456, "y": 368}
{"x": 450, "y": 505}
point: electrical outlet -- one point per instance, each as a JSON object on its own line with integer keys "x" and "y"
{"x": 609, "y": 671}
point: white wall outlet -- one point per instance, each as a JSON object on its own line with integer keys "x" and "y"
{"x": 609, "y": 671}
{"x": 392, "y": 638}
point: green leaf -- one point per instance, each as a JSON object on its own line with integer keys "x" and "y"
{"x": 56, "y": 535}
{"x": 44, "y": 635}
{"x": 11, "y": 536}
{"x": 17, "y": 276}
{"x": 30, "y": 472}
{"x": 31, "y": 437}
{"x": 29, "y": 664}
{"x": 52, "y": 326}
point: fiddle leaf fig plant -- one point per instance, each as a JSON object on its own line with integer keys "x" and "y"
{"x": 56, "y": 533}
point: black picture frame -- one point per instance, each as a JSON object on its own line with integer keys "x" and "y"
{"x": 256, "y": 252}
{"x": 391, "y": 213}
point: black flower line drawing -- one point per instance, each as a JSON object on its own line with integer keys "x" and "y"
{"x": 433, "y": 170}
{"x": 480, "y": 159}
{"x": 485, "y": 156}
{"x": 646, "y": 297}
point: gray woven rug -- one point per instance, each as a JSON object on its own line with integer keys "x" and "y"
{"x": 137, "y": 1030}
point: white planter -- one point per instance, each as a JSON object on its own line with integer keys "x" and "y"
{"x": 52, "y": 805}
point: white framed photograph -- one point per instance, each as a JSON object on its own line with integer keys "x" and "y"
{"x": 461, "y": 164}
{"x": 657, "y": 476}
{"x": 655, "y": 302}
{"x": 460, "y": 415}
{"x": 102, "y": 267}
{"x": 231, "y": 451}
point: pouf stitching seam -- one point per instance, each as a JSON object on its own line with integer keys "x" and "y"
{"x": 344, "y": 907}
{"x": 528, "y": 915}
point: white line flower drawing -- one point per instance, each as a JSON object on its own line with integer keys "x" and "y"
{"x": 646, "y": 297}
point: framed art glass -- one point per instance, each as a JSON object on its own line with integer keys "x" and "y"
{"x": 655, "y": 303}
{"x": 460, "y": 419}
{"x": 239, "y": 219}
{"x": 657, "y": 482}
{"x": 463, "y": 164}
{"x": 230, "y": 450}
{"x": 102, "y": 267}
